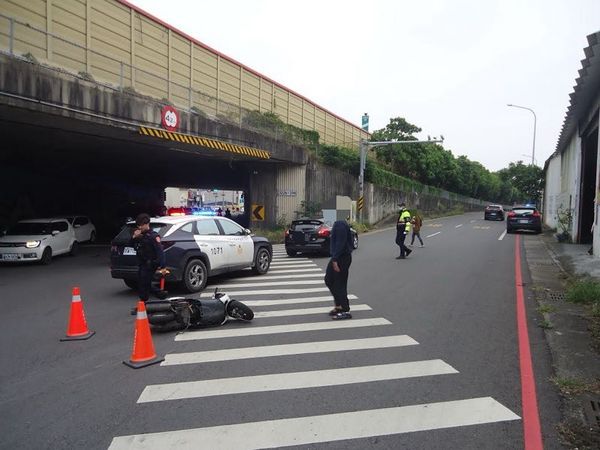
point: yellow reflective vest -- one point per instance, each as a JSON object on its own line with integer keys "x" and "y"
{"x": 404, "y": 214}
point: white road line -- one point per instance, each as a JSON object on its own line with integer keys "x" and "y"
{"x": 292, "y": 262}
{"x": 305, "y": 311}
{"x": 472, "y": 221}
{"x": 434, "y": 234}
{"x": 270, "y": 283}
{"x": 293, "y": 380}
{"x": 304, "y": 348}
{"x": 502, "y": 235}
{"x": 324, "y": 428}
{"x": 458, "y": 226}
{"x": 291, "y": 301}
{"x": 274, "y": 277}
{"x": 268, "y": 292}
{"x": 292, "y": 266}
{"x": 312, "y": 269}
{"x": 285, "y": 257}
{"x": 277, "y": 329}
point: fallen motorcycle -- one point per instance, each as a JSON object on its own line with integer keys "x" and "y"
{"x": 182, "y": 313}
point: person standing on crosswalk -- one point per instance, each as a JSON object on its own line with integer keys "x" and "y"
{"x": 336, "y": 275}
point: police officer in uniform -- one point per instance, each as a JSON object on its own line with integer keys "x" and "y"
{"x": 151, "y": 257}
{"x": 402, "y": 230}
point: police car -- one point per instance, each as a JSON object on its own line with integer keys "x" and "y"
{"x": 196, "y": 248}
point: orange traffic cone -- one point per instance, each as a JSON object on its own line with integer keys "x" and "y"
{"x": 143, "y": 353}
{"x": 77, "y": 329}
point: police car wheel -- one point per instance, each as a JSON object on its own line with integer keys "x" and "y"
{"x": 262, "y": 262}
{"x": 195, "y": 276}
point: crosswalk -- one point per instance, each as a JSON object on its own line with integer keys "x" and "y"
{"x": 308, "y": 300}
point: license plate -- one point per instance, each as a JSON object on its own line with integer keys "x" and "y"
{"x": 129, "y": 251}
{"x": 523, "y": 221}
{"x": 10, "y": 257}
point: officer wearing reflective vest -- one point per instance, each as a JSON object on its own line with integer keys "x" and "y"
{"x": 402, "y": 230}
{"x": 151, "y": 257}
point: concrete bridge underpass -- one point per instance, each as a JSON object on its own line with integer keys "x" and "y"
{"x": 75, "y": 146}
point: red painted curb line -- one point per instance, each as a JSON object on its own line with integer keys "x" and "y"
{"x": 532, "y": 433}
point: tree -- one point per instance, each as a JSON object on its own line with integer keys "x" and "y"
{"x": 526, "y": 179}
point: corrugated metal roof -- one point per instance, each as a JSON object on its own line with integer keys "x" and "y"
{"x": 585, "y": 91}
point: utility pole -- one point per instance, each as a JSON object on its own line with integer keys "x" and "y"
{"x": 366, "y": 145}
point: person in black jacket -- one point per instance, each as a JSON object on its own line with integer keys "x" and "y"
{"x": 151, "y": 257}
{"x": 336, "y": 275}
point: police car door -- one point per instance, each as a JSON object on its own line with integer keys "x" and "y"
{"x": 240, "y": 246}
{"x": 209, "y": 239}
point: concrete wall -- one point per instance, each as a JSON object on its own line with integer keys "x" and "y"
{"x": 552, "y": 193}
{"x": 570, "y": 175}
{"x": 118, "y": 43}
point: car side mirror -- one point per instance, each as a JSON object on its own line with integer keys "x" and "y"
{"x": 247, "y": 231}
{"x": 55, "y": 232}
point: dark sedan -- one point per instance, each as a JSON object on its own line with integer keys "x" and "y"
{"x": 493, "y": 212}
{"x": 311, "y": 236}
{"x": 524, "y": 218}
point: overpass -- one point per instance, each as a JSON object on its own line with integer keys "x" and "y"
{"x": 86, "y": 98}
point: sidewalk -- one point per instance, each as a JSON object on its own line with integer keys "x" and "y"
{"x": 576, "y": 364}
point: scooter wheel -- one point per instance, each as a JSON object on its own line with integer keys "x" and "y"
{"x": 239, "y": 311}
{"x": 161, "y": 318}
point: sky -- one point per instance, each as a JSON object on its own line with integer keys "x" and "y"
{"x": 448, "y": 66}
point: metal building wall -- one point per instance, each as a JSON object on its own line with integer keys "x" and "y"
{"x": 290, "y": 192}
{"x": 117, "y": 43}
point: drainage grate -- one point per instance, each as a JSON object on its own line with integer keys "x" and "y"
{"x": 541, "y": 263}
{"x": 591, "y": 407}
{"x": 556, "y": 296}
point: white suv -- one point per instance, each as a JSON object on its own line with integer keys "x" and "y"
{"x": 37, "y": 240}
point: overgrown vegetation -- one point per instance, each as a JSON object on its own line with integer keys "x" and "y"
{"x": 411, "y": 167}
{"x": 584, "y": 291}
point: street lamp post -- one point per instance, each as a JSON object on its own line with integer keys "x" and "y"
{"x": 534, "y": 128}
{"x": 364, "y": 146}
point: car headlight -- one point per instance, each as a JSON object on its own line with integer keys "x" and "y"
{"x": 32, "y": 244}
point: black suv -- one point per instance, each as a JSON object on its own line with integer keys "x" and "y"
{"x": 195, "y": 248}
{"x": 311, "y": 236}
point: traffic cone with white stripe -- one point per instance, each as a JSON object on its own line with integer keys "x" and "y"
{"x": 143, "y": 353}
{"x": 77, "y": 329}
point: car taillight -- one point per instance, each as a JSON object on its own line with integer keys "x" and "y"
{"x": 323, "y": 231}
{"x": 536, "y": 214}
{"x": 511, "y": 214}
{"x": 113, "y": 249}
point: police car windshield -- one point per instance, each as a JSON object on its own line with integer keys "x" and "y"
{"x": 126, "y": 232}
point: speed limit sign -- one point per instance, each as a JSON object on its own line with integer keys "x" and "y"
{"x": 169, "y": 118}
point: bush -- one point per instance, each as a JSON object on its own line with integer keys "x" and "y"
{"x": 584, "y": 292}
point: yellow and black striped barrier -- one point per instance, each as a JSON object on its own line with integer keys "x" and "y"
{"x": 360, "y": 203}
{"x": 205, "y": 142}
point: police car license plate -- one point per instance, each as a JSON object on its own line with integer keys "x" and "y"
{"x": 10, "y": 256}
{"x": 129, "y": 251}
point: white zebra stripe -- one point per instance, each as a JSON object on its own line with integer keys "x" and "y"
{"x": 304, "y": 311}
{"x": 324, "y": 428}
{"x": 304, "y": 348}
{"x": 294, "y": 380}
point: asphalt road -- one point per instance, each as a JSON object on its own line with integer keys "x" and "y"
{"x": 436, "y": 368}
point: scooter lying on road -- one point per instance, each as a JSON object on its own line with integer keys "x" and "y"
{"x": 182, "y": 313}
